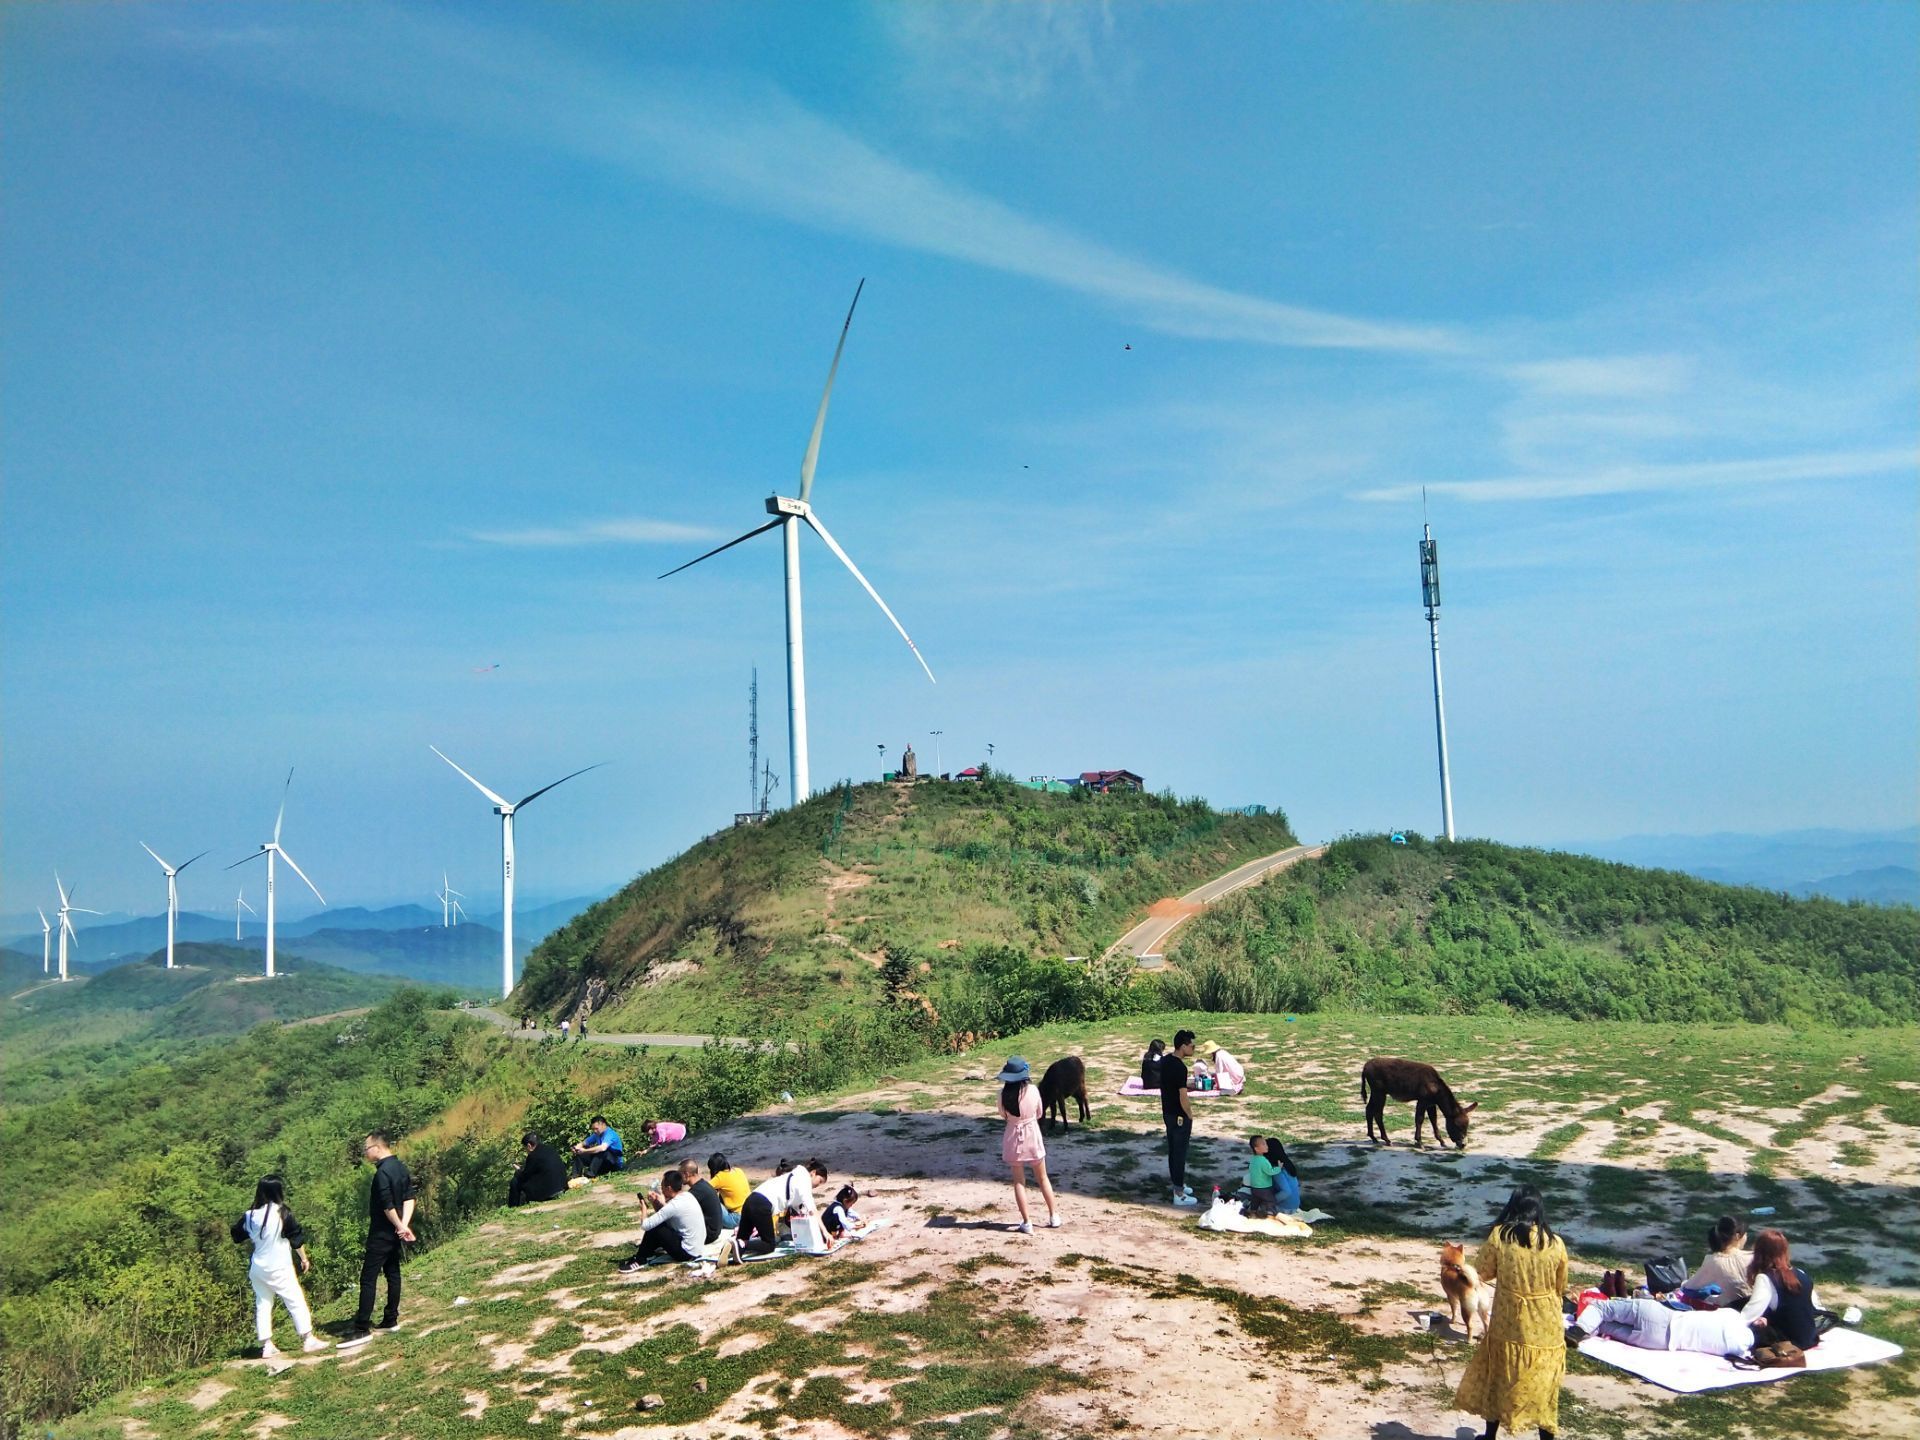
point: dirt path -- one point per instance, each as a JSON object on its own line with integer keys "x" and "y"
{"x": 1147, "y": 941}
{"x": 594, "y": 1037}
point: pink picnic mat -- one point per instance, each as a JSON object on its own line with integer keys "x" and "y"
{"x": 1133, "y": 1090}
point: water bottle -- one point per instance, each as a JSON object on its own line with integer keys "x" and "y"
{"x": 1762, "y": 1210}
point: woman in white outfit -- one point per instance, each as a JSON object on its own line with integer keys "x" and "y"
{"x": 278, "y": 1242}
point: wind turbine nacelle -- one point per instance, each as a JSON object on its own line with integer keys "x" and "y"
{"x": 780, "y": 505}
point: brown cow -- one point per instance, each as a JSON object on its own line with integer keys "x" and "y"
{"x": 1384, "y": 1077}
{"x": 1065, "y": 1080}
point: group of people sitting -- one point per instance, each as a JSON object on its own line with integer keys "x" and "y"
{"x": 543, "y": 1174}
{"x": 1222, "y": 1072}
{"x": 1731, "y": 1304}
{"x": 691, "y": 1214}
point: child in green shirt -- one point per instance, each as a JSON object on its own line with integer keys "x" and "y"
{"x": 1259, "y": 1178}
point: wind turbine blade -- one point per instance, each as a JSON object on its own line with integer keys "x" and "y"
{"x": 255, "y": 856}
{"x": 303, "y": 875}
{"x": 201, "y": 855}
{"x": 156, "y": 855}
{"x": 561, "y": 781}
{"x": 820, "y": 417}
{"x": 281, "y": 817}
{"x": 757, "y": 530}
{"x": 83, "y": 910}
{"x": 61, "y": 888}
{"x": 43, "y": 918}
{"x": 243, "y": 904}
{"x": 846, "y": 560}
{"x": 497, "y": 799}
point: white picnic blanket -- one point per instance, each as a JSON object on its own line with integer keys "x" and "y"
{"x": 786, "y": 1249}
{"x": 1228, "y": 1216}
{"x": 1690, "y": 1373}
{"x": 1134, "y": 1090}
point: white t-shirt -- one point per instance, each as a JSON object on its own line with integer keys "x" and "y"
{"x": 789, "y": 1194}
{"x": 270, "y": 1248}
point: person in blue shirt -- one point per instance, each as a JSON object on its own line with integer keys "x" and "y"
{"x": 601, "y": 1152}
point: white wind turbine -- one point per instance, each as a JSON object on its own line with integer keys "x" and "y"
{"x": 505, "y": 809}
{"x": 271, "y": 849}
{"x": 67, "y": 911}
{"x": 789, "y": 515}
{"x": 173, "y": 894}
{"x": 239, "y": 904}
{"x": 46, "y": 943}
{"x": 449, "y": 898}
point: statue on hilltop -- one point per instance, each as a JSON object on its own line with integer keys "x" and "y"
{"x": 909, "y": 765}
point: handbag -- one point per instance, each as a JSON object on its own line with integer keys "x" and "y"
{"x": 1781, "y": 1355}
{"x": 1666, "y": 1274}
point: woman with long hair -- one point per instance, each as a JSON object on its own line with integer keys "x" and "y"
{"x": 1514, "y": 1376}
{"x": 1724, "y": 1266}
{"x": 278, "y": 1241}
{"x": 1022, "y": 1146}
{"x": 1783, "y": 1305}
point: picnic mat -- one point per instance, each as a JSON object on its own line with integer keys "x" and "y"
{"x": 1227, "y": 1217}
{"x": 786, "y": 1249}
{"x": 1689, "y": 1373}
{"x": 1133, "y": 1090}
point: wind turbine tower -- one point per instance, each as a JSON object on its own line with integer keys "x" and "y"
{"x": 239, "y": 904}
{"x": 271, "y": 849}
{"x": 46, "y": 943}
{"x": 1430, "y": 597}
{"x": 753, "y": 742}
{"x": 67, "y": 911}
{"x": 788, "y": 516}
{"x": 173, "y": 894}
{"x": 506, "y": 809}
{"x": 449, "y": 899}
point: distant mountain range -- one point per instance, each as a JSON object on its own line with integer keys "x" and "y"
{"x": 1878, "y": 866}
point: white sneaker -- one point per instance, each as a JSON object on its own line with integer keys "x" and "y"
{"x": 1185, "y": 1200}
{"x": 1186, "y": 1189}
{"x": 1054, "y": 1222}
{"x": 268, "y": 1350}
{"x": 1025, "y": 1227}
{"x": 313, "y": 1345}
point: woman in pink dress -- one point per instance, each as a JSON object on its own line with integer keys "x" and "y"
{"x": 1022, "y": 1146}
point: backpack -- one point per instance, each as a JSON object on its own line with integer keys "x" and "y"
{"x": 1667, "y": 1274}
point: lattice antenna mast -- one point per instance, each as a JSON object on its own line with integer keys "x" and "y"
{"x": 753, "y": 740}
{"x": 1430, "y": 598}
{"x": 770, "y": 782}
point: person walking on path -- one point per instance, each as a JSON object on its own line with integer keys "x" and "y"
{"x": 278, "y": 1242}
{"x": 389, "y": 1226}
{"x": 1177, "y": 1112}
{"x": 1022, "y": 1146}
{"x": 1514, "y": 1376}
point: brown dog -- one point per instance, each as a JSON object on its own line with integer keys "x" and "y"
{"x": 1467, "y": 1294}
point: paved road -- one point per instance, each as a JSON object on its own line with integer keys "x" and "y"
{"x": 595, "y": 1037}
{"x": 1147, "y": 940}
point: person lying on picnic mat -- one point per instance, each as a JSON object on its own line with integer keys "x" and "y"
{"x": 1649, "y": 1324}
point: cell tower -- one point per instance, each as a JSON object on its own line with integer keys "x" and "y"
{"x": 1430, "y": 597}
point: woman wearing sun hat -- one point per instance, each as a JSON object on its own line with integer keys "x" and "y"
{"x": 1022, "y": 1146}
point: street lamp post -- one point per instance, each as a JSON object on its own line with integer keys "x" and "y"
{"x": 936, "y": 749}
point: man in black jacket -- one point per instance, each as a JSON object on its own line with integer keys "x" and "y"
{"x": 389, "y": 1226}
{"x": 541, "y": 1176}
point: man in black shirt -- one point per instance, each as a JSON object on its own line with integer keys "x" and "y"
{"x": 541, "y": 1176}
{"x": 1177, "y": 1113}
{"x": 389, "y": 1226}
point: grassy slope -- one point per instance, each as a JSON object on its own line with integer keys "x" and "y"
{"x": 1474, "y": 926}
{"x": 939, "y": 1354}
{"x": 789, "y": 920}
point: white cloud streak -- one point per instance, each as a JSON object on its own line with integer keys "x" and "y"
{"x": 1692, "y": 475}
{"x": 630, "y": 531}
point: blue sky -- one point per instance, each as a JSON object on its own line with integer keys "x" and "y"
{"x": 347, "y": 349}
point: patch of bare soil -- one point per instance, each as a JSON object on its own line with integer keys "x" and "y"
{"x": 670, "y": 970}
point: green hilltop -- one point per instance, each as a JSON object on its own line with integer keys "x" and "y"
{"x": 796, "y": 918}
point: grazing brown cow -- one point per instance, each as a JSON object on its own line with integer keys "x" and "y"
{"x": 1385, "y": 1078}
{"x": 1065, "y": 1080}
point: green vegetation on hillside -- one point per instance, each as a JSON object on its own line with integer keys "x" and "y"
{"x": 796, "y": 917}
{"x": 1439, "y": 927}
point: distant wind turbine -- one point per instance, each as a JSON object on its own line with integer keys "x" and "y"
{"x": 271, "y": 849}
{"x": 67, "y": 911}
{"x": 46, "y": 943}
{"x": 173, "y": 893}
{"x": 505, "y": 809}
{"x": 789, "y": 515}
{"x": 449, "y": 899}
{"x": 239, "y": 904}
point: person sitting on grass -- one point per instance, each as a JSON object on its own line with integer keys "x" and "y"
{"x": 1229, "y": 1072}
{"x": 1286, "y": 1179}
{"x": 730, "y": 1182}
{"x": 601, "y": 1152}
{"x": 1260, "y": 1172}
{"x": 1150, "y": 1065}
{"x": 1725, "y": 1265}
{"x": 674, "y": 1230}
{"x": 712, "y": 1212}
{"x": 541, "y": 1176}
{"x": 838, "y": 1219}
{"x": 1783, "y": 1305}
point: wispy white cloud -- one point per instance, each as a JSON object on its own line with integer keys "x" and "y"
{"x": 1690, "y": 475}
{"x": 991, "y": 62}
{"x": 1609, "y": 377}
{"x": 755, "y": 148}
{"x": 627, "y": 531}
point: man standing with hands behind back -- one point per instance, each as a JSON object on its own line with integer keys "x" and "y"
{"x": 1178, "y": 1114}
{"x": 389, "y": 1226}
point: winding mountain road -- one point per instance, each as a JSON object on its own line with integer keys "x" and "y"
{"x": 1146, "y": 942}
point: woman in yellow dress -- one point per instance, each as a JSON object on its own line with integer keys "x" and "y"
{"x": 1514, "y": 1377}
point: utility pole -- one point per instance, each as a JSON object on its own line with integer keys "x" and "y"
{"x": 1430, "y": 597}
{"x": 882, "y": 748}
